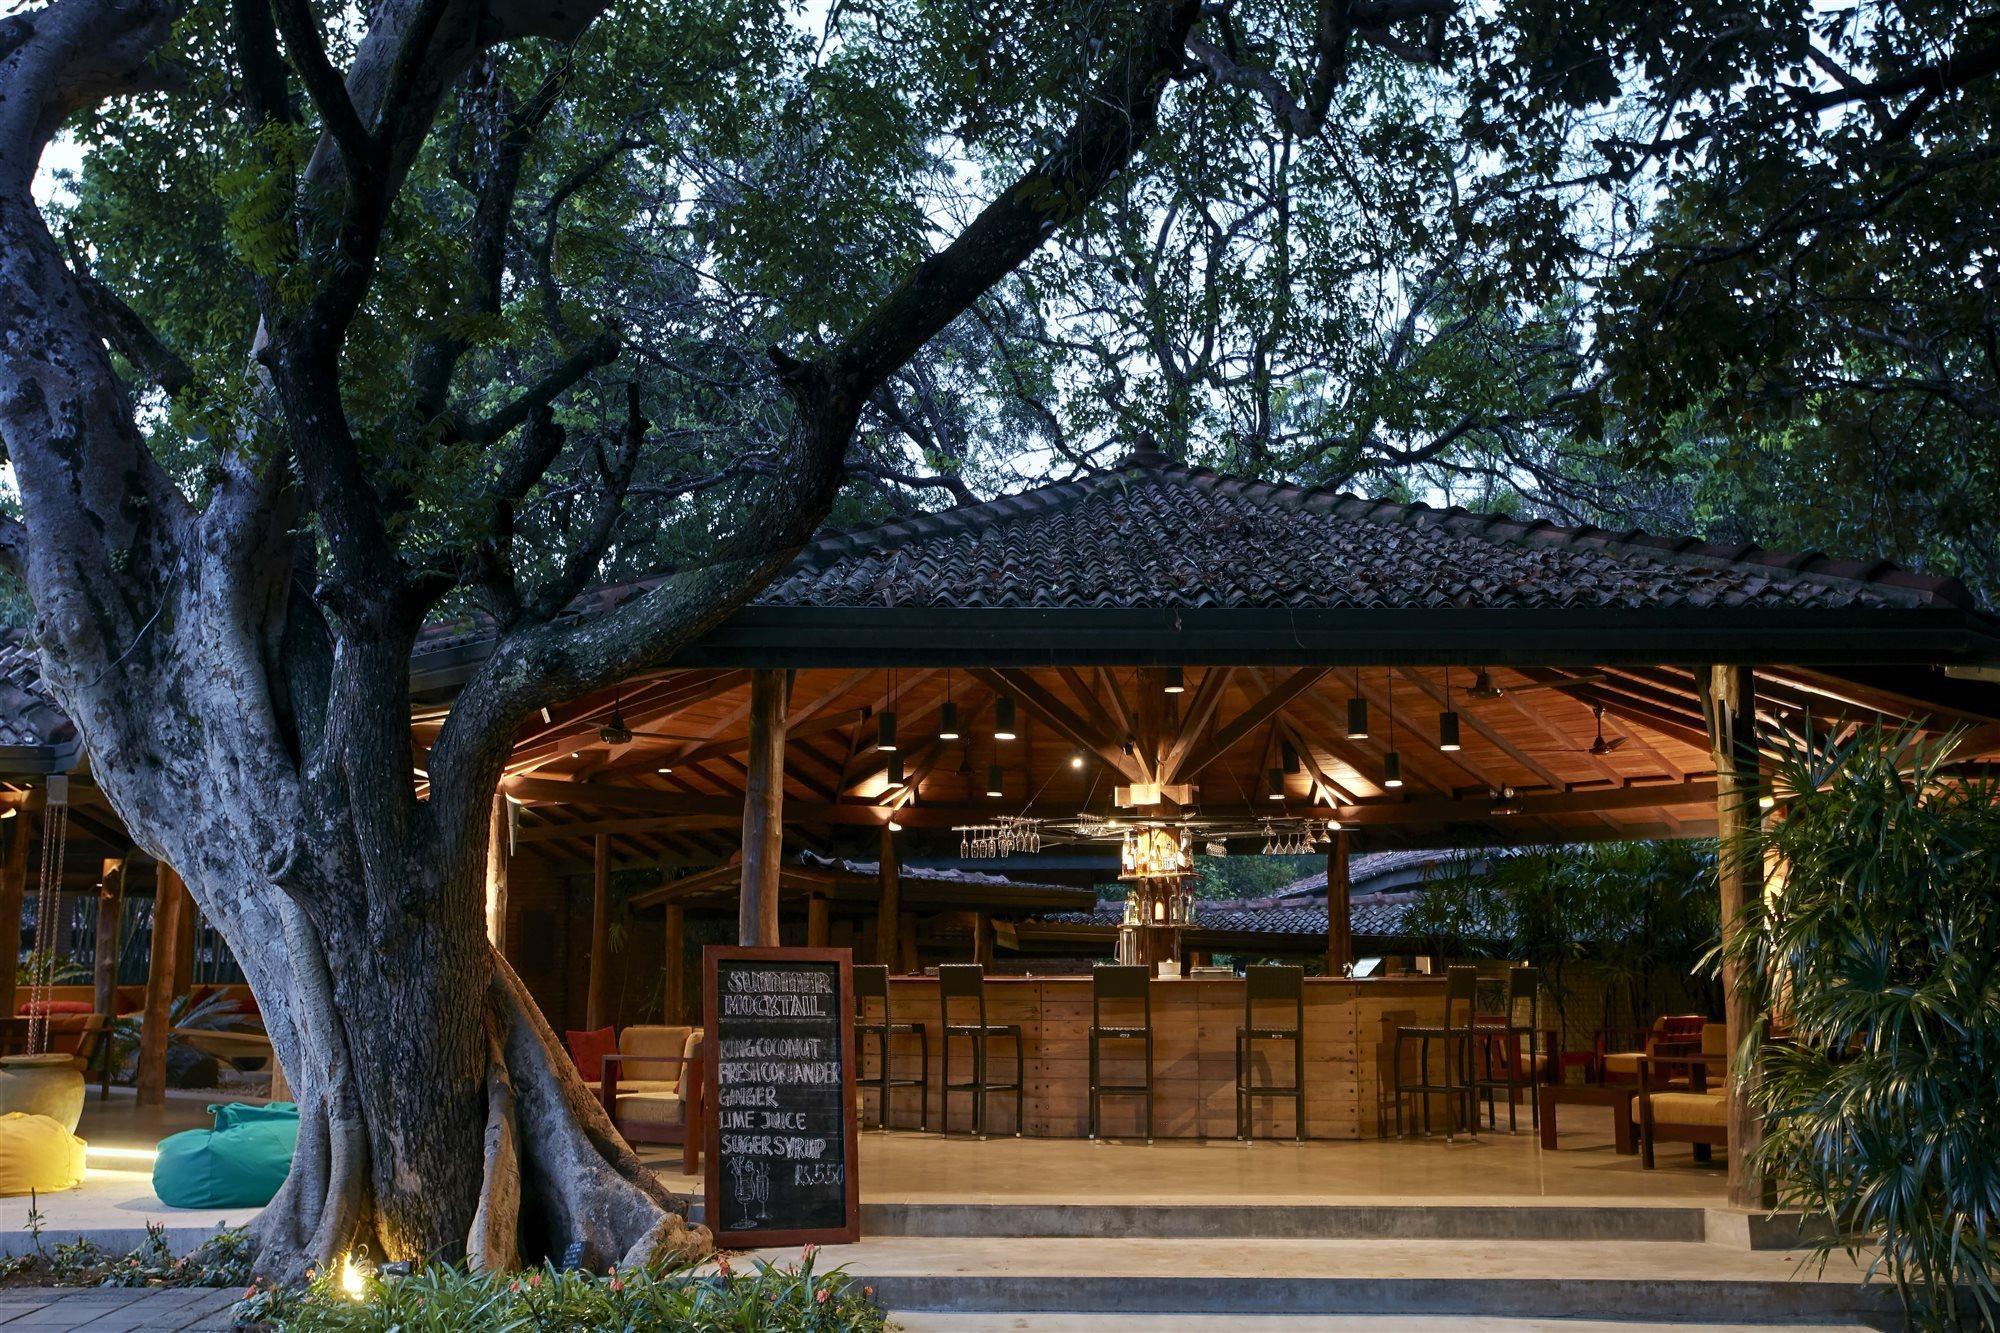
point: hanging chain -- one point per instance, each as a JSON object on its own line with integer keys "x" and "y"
{"x": 48, "y": 895}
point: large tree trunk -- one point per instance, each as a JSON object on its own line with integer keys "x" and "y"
{"x": 440, "y": 1118}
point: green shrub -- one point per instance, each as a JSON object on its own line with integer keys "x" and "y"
{"x": 443, "y": 1299}
{"x": 1881, "y": 946}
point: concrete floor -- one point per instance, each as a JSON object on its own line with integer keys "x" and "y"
{"x": 115, "y": 1201}
{"x": 901, "y": 1167}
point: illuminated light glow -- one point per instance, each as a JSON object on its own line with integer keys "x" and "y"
{"x": 93, "y": 1152}
{"x": 664, "y": 769}
{"x": 894, "y": 827}
{"x": 546, "y": 718}
{"x": 1766, "y": 801}
{"x": 1076, "y": 761}
{"x": 1003, "y": 719}
{"x": 353, "y": 1282}
{"x": 1174, "y": 684}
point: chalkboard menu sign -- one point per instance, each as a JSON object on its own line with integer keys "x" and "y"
{"x": 781, "y": 1128}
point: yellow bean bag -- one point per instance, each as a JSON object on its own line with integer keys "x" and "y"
{"x": 37, "y": 1153}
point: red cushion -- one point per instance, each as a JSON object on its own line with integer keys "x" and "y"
{"x": 47, "y": 1007}
{"x": 588, "y": 1049}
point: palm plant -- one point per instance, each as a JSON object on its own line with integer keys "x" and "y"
{"x": 1879, "y": 949}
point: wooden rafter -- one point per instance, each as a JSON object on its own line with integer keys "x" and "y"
{"x": 1195, "y": 720}
{"x": 1058, "y": 714}
{"x": 1268, "y": 706}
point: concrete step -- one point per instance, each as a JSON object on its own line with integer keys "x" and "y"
{"x": 1681, "y": 1281}
{"x": 1282, "y": 1221}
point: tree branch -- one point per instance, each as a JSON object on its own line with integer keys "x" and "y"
{"x": 126, "y": 331}
{"x": 1940, "y": 76}
{"x": 558, "y": 380}
{"x": 614, "y": 475}
{"x": 300, "y": 28}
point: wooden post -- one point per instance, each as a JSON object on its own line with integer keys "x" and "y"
{"x": 982, "y": 938}
{"x": 1729, "y": 699}
{"x": 169, "y": 908}
{"x": 907, "y": 962}
{"x": 816, "y": 921}
{"x": 597, "y": 1007}
{"x": 763, "y": 810}
{"x": 22, "y": 831}
{"x": 888, "y": 912}
{"x": 1339, "y": 907}
{"x": 186, "y": 926}
{"x": 674, "y": 981}
{"x": 499, "y": 853}
{"x": 104, "y": 966}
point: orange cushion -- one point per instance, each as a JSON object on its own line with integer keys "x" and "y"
{"x": 588, "y": 1049}
{"x": 47, "y": 1007}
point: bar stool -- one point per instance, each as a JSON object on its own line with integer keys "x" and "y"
{"x": 872, "y": 983}
{"x": 1120, "y": 985}
{"x": 1524, "y": 987}
{"x": 967, "y": 981}
{"x": 1461, "y": 993}
{"x": 1274, "y": 984}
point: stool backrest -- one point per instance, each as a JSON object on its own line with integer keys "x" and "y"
{"x": 1524, "y": 986}
{"x": 961, "y": 981}
{"x": 1120, "y": 982}
{"x": 871, "y": 982}
{"x": 1461, "y": 987}
{"x": 1274, "y": 982}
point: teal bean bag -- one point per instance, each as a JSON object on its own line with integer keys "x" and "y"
{"x": 238, "y": 1164}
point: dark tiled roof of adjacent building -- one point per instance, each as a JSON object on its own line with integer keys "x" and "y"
{"x": 1153, "y": 534}
{"x": 27, "y": 715}
{"x": 1377, "y": 915}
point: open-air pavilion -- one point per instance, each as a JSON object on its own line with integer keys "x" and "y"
{"x": 928, "y": 741}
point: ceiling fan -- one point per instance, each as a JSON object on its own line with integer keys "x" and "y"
{"x": 613, "y": 731}
{"x": 1484, "y": 688}
{"x": 1600, "y": 746}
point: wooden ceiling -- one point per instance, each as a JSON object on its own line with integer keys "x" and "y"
{"x": 1529, "y": 769}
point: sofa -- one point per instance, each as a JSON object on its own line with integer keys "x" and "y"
{"x": 651, "y": 1087}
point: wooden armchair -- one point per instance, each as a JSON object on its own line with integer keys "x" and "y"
{"x": 1676, "y": 1105}
{"x": 1620, "y": 1052}
{"x": 653, "y": 1086}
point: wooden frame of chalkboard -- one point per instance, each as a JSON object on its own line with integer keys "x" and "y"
{"x": 713, "y": 958}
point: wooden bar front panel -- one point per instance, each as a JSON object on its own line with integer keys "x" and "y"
{"x": 1350, "y": 1030}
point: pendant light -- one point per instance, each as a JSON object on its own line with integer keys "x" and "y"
{"x": 885, "y": 721}
{"x": 1174, "y": 684}
{"x": 1448, "y": 719}
{"x": 993, "y": 787}
{"x": 1003, "y": 719}
{"x": 896, "y": 769}
{"x": 1275, "y": 784}
{"x": 1357, "y": 712}
{"x": 948, "y": 715}
{"x": 1392, "y": 763}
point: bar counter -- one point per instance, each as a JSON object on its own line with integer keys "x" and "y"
{"x": 1350, "y": 1029}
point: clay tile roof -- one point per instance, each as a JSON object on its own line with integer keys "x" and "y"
{"x": 27, "y": 716}
{"x": 1372, "y": 916}
{"x": 1150, "y": 533}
